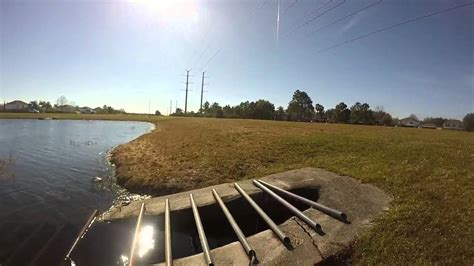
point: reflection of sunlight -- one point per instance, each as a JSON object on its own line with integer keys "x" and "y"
{"x": 124, "y": 259}
{"x": 145, "y": 240}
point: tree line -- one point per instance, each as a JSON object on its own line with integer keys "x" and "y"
{"x": 301, "y": 108}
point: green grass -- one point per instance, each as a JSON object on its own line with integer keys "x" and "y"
{"x": 429, "y": 173}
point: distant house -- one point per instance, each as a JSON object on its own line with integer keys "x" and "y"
{"x": 16, "y": 106}
{"x": 409, "y": 122}
{"x": 453, "y": 124}
{"x": 66, "y": 108}
{"x": 429, "y": 125}
{"x": 86, "y": 110}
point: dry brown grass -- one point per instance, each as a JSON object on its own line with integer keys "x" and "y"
{"x": 430, "y": 174}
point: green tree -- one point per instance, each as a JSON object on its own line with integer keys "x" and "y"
{"x": 280, "y": 114}
{"x": 468, "y": 122}
{"x": 45, "y": 107}
{"x": 178, "y": 112}
{"x": 319, "y": 111}
{"x": 361, "y": 114}
{"x": 382, "y": 118}
{"x": 263, "y": 110}
{"x": 34, "y": 105}
{"x": 228, "y": 111}
{"x": 157, "y": 113}
{"x": 300, "y": 108}
{"x": 330, "y": 115}
{"x": 341, "y": 113}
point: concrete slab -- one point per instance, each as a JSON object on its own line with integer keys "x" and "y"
{"x": 361, "y": 202}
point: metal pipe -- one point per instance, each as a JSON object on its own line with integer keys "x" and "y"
{"x": 135, "y": 236}
{"x": 202, "y": 234}
{"x": 240, "y": 235}
{"x": 86, "y": 226}
{"x": 285, "y": 239}
{"x": 290, "y": 207}
{"x": 329, "y": 211}
{"x": 168, "y": 251}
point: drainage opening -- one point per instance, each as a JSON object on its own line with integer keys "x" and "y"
{"x": 109, "y": 242}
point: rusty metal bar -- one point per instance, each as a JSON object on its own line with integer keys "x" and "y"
{"x": 290, "y": 207}
{"x": 86, "y": 226}
{"x": 135, "y": 236}
{"x": 202, "y": 234}
{"x": 168, "y": 251}
{"x": 240, "y": 235}
{"x": 329, "y": 211}
{"x": 285, "y": 239}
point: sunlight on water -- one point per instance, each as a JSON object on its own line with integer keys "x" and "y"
{"x": 146, "y": 242}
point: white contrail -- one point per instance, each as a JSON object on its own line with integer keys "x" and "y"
{"x": 278, "y": 24}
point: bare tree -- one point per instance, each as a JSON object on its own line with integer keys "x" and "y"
{"x": 62, "y": 100}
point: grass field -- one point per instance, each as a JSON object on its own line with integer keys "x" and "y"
{"x": 429, "y": 173}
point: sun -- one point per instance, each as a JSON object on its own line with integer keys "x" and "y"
{"x": 170, "y": 10}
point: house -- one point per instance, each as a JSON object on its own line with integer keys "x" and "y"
{"x": 409, "y": 122}
{"x": 429, "y": 125}
{"x": 453, "y": 124}
{"x": 86, "y": 110}
{"x": 16, "y": 106}
{"x": 66, "y": 108}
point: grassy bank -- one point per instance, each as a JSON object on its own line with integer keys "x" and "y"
{"x": 428, "y": 172}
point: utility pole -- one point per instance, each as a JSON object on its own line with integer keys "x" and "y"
{"x": 202, "y": 91}
{"x": 186, "y": 98}
{"x": 171, "y": 106}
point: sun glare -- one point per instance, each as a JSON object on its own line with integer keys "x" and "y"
{"x": 146, "y": 242}
{"x": 170, "y": 10}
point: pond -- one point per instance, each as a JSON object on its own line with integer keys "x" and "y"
{"x": 53, "y": 173}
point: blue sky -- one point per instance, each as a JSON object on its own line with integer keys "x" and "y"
{"x": 131, "y": 53}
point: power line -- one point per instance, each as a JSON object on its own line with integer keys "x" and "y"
{"x": 290, "y": 6}
{"x": 343, "y": 18}
{"x": 394, "y": 26}
{"x": 203, "y": 52}
{"x": 316, "y": 10}
{"x": 210, "y": 59}
{"x": 315, "y": 17}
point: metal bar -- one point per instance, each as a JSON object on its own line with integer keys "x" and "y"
{"x": 329, "y": 211}
{"x": 285, "y": 239}
{"x": 86, "y": 226}
{"x": 290, "y": 207}
{"x": 240, "y": 235}
{"x": 202, "y": 234}
{"x": 135, "y": 236}
{"x": 168, "y": 251}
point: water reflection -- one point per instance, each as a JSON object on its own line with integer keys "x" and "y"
{"x": 146, "y": 241}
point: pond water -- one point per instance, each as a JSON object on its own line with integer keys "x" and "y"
{"x": 47, "y": 168}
